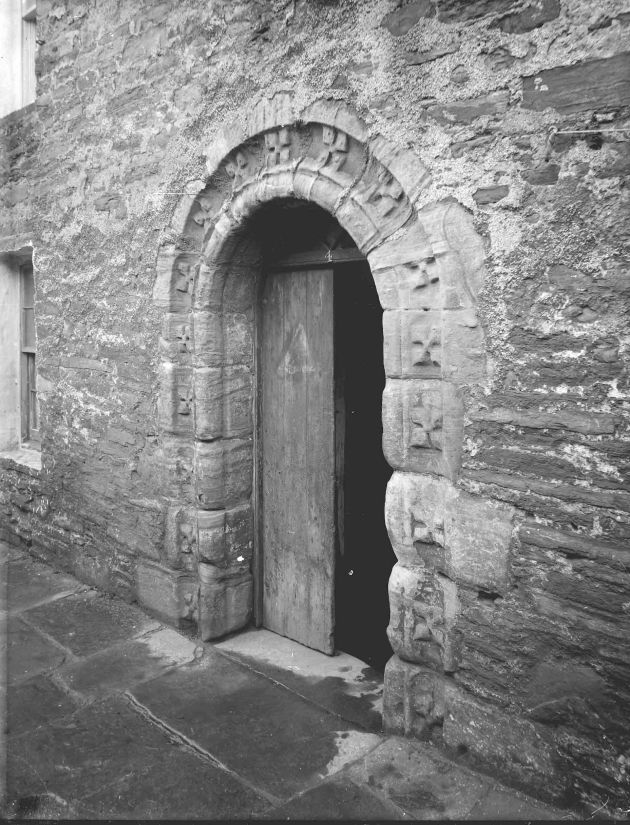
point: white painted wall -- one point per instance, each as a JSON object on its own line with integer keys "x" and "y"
{"x": 9, "y": 354}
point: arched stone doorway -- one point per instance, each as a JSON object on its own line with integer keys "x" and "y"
{"x": 427, "y": 265}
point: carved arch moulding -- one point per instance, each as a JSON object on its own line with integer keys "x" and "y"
{"x": 427, "y": 264}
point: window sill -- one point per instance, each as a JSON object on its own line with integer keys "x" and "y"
{"x": 23, "y": 457}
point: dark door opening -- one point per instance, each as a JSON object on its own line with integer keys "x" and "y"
{"x": 324, "y": 556}
{"x": 365, "y": 556}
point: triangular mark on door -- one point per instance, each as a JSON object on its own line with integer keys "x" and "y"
{"x": 296, "y": 357}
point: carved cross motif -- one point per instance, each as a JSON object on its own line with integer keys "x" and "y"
{"x": 182, "y": 335}
{"x": 187, "y": 537}
{"x": 426, "y": 345}
{"x": 185, "y": 276}
{"x": 237, "y": 168}
{"x": 424, "y": 534}
{"x": 184, "y": 401}
{"x": 426, "y": 420}
{"x": 335, "y": 149}
{"x": 278, "y": 145}
{"x": 427, "y": 273}
{"x": 386, "y": 194}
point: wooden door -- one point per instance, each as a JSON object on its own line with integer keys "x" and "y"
{"x": 297, "y": 468}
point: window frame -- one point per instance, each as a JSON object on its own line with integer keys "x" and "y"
{"x": 29, "y": 402}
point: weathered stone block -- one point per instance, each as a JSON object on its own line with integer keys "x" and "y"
{"x": 422, "y": 426}
{"x": 171, "y": 595}
{"x": 518, "y": 749}
{"x": 175, "y": 277}
{"x": 223, "y": 472}
{"x": 416, "y": 623}
{"x": 208, "y": 296}
{"x": 225, "y": 537}
{"x": 175, "y": 401}
{"x": 477, "y": 535}
{"x": 180, "y": 539}
{"x": 223, "y": 402}
{"x": 208, "y": 406}
{"x": 211, "y": 536}
{"x": 416, "y": 537}
{"x": 412, "y": 343}
{"x": 463, "y": 347}
{"x": 464, "y": 536}
{"x": 225, "y": 601}
{"x": 238, "y": 334}
{"x": 208, "y": 332}
{"x": 404, "y": 165}
{"x": 593, "y": 84}
{"x": 376, "y": 207}
{"x": 413, "y": 699}
{"x": 176, "y": 343}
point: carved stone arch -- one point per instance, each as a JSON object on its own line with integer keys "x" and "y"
{"x": 427, "y": 264}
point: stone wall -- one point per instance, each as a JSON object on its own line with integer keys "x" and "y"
{"x": 510, "y": 601}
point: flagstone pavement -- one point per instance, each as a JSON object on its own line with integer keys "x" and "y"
{"x": 111, "y": 714}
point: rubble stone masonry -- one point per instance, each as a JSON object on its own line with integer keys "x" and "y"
{"x": 477, "y": 152}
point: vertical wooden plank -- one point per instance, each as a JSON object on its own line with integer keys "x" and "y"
{"x": 297, "y": 475}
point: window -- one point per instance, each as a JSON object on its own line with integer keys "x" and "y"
{"x": 18, "y": 45}
{"x": 19, "y": 401}
{"x": 28, "y": 373}
{"x": 29, "y": 45}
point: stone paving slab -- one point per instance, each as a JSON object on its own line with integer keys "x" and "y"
{"x": 106, "y": 761}
{"x": 120, "y": 667}
{"x": 504, "y": 804}
{"x": 340, "y": 683}
{"x": 419, "y": 781}
{"x": 89, "y": 622}
{"x": 275, "y": 739}
{"x": 30, "y": 583}
{"x": 35, "y": 702}
{"x": 28, "y": 652}
{"x": 337, "y": 799}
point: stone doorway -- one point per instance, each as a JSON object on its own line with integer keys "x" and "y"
{"x": 323, "y": 555}
{"x": 426, "y": 260}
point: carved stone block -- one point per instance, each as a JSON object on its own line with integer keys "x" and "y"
{"x": 176, "y": 343}
{"x": 417, "y": 535}
{"x": 223, "y": 472}
{"x": 175, "y": 400}
{"x": 225, "y": 601}
{"x": 170, "y": 595}
{"x": 412, "y": 343}
{"x": 413, "y": 699}
{"x": 175, "y": 278}
{"x": 407, "y": 167}
{"x": 323, "y": 188}
{"x": 180, "y": 539}
{"x": 416, "y": 625}
{"x": 464, "y": 536}
{"x": 422, "y": 426}
{"x": 278, "y": 145}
